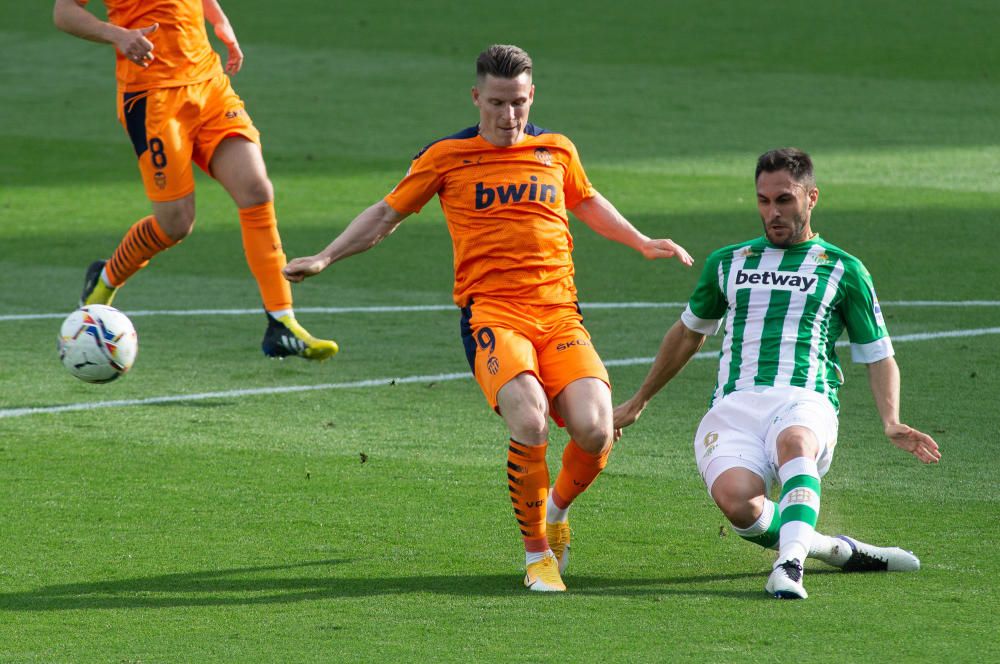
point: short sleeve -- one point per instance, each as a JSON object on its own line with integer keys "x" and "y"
{"x": 863, "y": 316}
{"x": 708, "y": 303}
{"x": 576, "y": 185}
{"x": 419, "y": 185}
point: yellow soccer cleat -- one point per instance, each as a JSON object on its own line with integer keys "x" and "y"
{"x": 95, "y": 291}
{"x": 543, "y": 576}
{"x": 284, "y": 336}
{"x": 558, "y": 535}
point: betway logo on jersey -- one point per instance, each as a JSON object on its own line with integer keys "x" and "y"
{"x": 789, "y": 281}
{"x": 505, "y": 194}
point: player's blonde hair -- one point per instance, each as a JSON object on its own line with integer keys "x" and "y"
{"x": 503, "y": 61}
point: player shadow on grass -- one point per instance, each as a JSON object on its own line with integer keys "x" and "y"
{"x": 272, "y": 585}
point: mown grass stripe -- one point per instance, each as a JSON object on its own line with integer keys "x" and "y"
{"x": 417, "y": 308}
{"x": 379, "y": 382}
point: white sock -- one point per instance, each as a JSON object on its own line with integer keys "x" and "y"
{"x": 799, "y": 508}
{"x": 831, "y": 550}
{"x": 763, "y": 530}
{"x": 534, "y": 556}
{"x": 104, "y": 276}
{"x": 555, "y": 514}
{"x": 276, "y": 315}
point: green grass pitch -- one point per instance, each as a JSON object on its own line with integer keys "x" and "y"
{"x": 245, "y": 528}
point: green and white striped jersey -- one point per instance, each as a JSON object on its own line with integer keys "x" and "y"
{"x": 784, "y": 310}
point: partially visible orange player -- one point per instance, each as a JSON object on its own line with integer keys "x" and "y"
{"x": 505, "y": 186}
{"x": 178, "y": 107}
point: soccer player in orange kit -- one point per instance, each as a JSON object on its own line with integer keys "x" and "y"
{"x": 504, "y": 186}
{"x": 178, "y": 107}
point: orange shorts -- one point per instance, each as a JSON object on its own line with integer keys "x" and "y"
{"x": 505, "y": 339}
{"x": 172, "y": 127}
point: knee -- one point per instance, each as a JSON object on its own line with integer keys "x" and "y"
{"x": 529, "y": 426}
{"x": 595, "y": 437}
{"x": 739, "y": 509}
{"x": 177, "y": 222}
{"x": 524, "y": 408}
{"x": 257, "y": 191}
{"x": 797, "y": 442}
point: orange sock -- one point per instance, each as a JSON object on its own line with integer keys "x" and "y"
{"x": 262, "y": 246}
{"x": 579, "y": 469}
{"x": 143, "y": 241}
{"x": 528, "y": 481}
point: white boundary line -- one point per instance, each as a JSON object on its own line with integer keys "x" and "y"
{"x": 452, "y": 307}
{"x": 381, "y": 382}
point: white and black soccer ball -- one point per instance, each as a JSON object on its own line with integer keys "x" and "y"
{"x": 97, "y": 343}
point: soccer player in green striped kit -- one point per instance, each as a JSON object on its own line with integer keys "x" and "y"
{"x": 784, "y": 298}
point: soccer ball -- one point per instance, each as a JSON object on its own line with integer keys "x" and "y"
{"x": 97, "y": 343}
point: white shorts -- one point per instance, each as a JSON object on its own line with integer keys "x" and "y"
{"x": 741, "y": 430}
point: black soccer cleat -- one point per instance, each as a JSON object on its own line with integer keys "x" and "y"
{"x": 284, "y": 337}
{"x": 96, "y": 291}
{"x": 868, "y": 558}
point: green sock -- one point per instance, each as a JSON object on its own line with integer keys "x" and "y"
{"x": 765, "y": 530}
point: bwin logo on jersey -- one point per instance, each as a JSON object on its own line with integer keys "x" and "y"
{"x": 514, "y": 193}
{"x": 789, "y": 281}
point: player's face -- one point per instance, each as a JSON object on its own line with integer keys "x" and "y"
{"x": 503, "y": 107}
{"x": 785, "y": 207}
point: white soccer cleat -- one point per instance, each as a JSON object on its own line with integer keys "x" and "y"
{"x": 785, "y": 581}
{"x": 543, "y": 576}
{"x": 868, "y": 558}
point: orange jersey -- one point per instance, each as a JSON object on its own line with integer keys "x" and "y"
{"x": 506, "y": 212}
{"x": 181, "y": 50}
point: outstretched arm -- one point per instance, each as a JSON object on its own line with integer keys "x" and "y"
{"x": 678, "y": 346}
{"x": 74, "y": 19}
{"x": 883, "y": 376}
{"x": 368, "y": 229}
{"x": 224, "y": 31}
{"x": 598, "y": 213}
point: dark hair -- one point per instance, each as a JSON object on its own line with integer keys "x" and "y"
{"x": 503, "y": 61}
{"x": 798, "y": 164}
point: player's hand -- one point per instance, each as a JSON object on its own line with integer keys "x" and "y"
{"x": 626, "y": 414}
{"x": 307, "y": 266}
{"x": 666, "y": 249}
{"x": 134, "y": 45}
{"x": 224, "y": 31}
{"x": 917, "y": 443}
